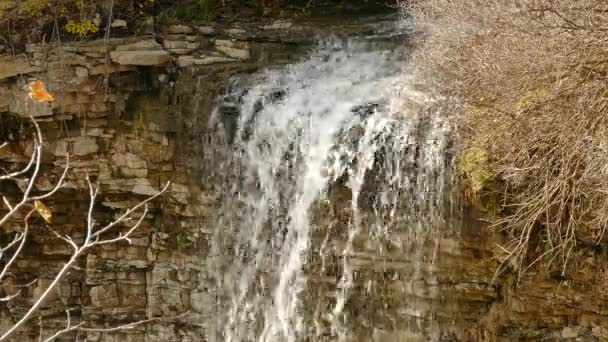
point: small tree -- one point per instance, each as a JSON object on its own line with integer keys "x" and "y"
{"x": 31, "y": 204}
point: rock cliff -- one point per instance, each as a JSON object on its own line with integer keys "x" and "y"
{"x": 133, "y": 113}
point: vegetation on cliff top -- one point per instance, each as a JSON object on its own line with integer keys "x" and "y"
{"x": 32, "y": 21}
{"x": 530, "y": 80}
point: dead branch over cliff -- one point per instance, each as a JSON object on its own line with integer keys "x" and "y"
{"x": 29, "y": 204}
{"x": 531, "y": 79}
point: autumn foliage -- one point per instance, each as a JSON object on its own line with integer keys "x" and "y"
{"x": 39, "y": 93}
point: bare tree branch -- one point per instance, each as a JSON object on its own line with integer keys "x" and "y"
{"x": 94, "y": 237}
{"x": 22, "y": 171}
{"x": 81, "y": 327}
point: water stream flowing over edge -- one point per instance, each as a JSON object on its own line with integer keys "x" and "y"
{"x": 333, "y": 157}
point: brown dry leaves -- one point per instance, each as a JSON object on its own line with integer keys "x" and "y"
{"x": 541, "y": 69}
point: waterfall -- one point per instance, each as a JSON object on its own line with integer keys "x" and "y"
{"x": 329, "y": 159}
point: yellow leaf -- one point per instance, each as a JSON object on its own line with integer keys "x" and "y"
{"x": 44, "y": 211}
{"x": 38, "y": 92}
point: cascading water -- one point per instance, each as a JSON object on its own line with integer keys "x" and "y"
{"x": 329, "y": 162}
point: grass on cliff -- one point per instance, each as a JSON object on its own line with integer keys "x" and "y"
{"x": 531, "y": 79}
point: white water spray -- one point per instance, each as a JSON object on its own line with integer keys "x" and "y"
{"x": 300, "y": 131}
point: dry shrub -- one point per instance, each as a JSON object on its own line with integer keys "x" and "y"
{"x": 531, "y": 79}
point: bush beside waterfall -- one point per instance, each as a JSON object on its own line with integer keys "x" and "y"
{"x": 530, "y": 78}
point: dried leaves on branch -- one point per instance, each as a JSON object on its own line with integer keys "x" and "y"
{"x": 30, "y": 203}
{"x": 532, "y": 82}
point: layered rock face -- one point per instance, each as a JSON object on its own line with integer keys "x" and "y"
{"x": 133, "y": 113}
{"x": 124, "y": 112}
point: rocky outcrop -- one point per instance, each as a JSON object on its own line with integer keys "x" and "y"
{"x": 133, "y": 113}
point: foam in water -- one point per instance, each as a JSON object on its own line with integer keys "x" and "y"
{"x": 337, "y": 115}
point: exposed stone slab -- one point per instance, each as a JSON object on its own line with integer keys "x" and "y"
{"x": 22, "y": 105}
{"x": 110, "y": 68}
{"x": 83, "y": 146}
{"x": 12, "y": 66}
{"x": 206, "y": 30}
{"x": 129, "y": 160}
{"x": 104, "y": 296}
{"x": 143, "y": 57}
{"x": 278, "y": 25}
{"x": 187, "y": 61}
{"x": 177, "y": 29}
{"x": 213, "y": 60}
{"x": 119, "y": 23}
{"x": 175, "y": 44}
{"x": 236, "y": 31}
{"x": 232, "y": 49}
{"x": 147, "y": 44}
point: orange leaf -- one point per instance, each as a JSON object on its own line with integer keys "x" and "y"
{"x": 43, "y": 211}
{"x": 38, "y": 92}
